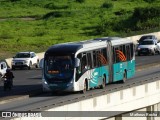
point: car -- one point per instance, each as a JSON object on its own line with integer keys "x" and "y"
{"x": 153, "y": 37}
{"x": 3, "y": 68}
{"x": 148, "y": 46}
{"x": 25, "y": 60}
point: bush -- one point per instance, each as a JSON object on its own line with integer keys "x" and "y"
{"x": 54, "y": 6}
{"x": 107, "y": 5}
{"x": 80, "y": 1}
{"x": 14, "y": 0}
{"x": 150, "y": 1}
{"x": 145, "y": 18}
{"x": 57, "y": 14}
{"x": 143, "y": 14}
{"x": 121, "y": 12}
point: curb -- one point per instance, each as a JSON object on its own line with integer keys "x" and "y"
{"x": 32, "y": 93}
{"x": 13, "y": 98}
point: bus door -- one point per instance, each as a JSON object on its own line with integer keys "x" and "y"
{"x": 110, "y": 60}
{"x": 100, "y": 74}
{"x": 90, "y": 68}
{"x": 118, "y": 66}
{"x": 130, "y": 62}
{"x": 94, "y": 72}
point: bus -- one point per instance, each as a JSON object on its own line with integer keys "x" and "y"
{"x": 80, "y": 66}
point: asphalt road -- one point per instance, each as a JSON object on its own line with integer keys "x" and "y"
{"x": 144, "y": 60}
{"x": 46, "y": 101}
{"x": 24, "y": 82}
{"x": 27, "y": 81}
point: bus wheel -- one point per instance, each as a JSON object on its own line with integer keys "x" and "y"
{"x": 124, "y": 77}
{"x": 104, "y": 83}
{"x": 85, "y": 87}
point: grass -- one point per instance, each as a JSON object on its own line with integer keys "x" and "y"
{"x": 49, "y": 22}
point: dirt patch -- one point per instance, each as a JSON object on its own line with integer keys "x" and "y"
{"x": 22, "y": 18}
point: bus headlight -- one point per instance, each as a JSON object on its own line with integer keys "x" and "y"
{"x": 45, "y": 82}
{"x": 70, "y": 83}
{"x": 139, "y": 48}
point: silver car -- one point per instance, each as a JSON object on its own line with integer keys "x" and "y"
{"x": 148, "y": 46}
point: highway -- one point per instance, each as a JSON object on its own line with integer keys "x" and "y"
{"x": 24, "y": 82}
{"x": 27, "y": 81}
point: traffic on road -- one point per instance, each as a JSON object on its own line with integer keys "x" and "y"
{"x": 28, "y": 80}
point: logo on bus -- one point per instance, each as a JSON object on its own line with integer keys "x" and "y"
{"x": 102, "y": 59}
{"x": 95, "y": 73}
{"x": 121, "y": 55}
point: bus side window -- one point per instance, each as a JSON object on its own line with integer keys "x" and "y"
{"x": 128, "y": 52}
{"x": 2, "y": 66}
{"x": 117, "y": 56}
{"x": 124, "y": 51}
{"x": 132, "y": 50}
{"x": 84, "y": 62}
{"x": 114, "y": 55}
{"x": 94, "y": 59}
{"x": 98, "y": 59}
{"x": 104, "y": 53}
{"x": 79, "y": 69}
{"x": 121, "y": 48}
{"x": 89, "y": 61}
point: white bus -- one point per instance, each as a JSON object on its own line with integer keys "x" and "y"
{"x": 80, "y": 66}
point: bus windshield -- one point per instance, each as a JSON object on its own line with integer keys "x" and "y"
{"x": 59, "y": 68}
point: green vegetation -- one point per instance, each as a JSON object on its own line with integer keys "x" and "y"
{"x": 34, "y": 25}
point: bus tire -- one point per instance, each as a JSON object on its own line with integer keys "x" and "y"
{"x": 103, "y": 83}
{"x": 124, "y": 77}
{"x": 85, "y": 87}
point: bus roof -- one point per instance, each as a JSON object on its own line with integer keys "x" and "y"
{"x": 72, "y": 47}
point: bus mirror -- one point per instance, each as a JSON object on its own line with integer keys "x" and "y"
{"x": 77, "y": 62}
{"x": 1, "y": 66}
{"x": 41, "y": 63}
